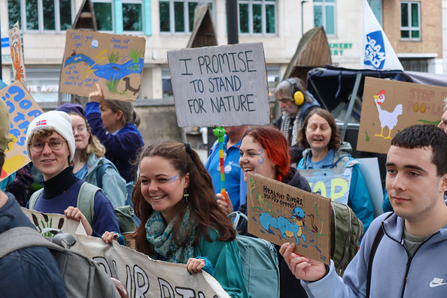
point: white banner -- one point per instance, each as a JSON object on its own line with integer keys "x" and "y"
{"x": 142, "y": 276}
{"x": 376, "y": 51}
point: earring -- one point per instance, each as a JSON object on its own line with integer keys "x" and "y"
{"x": 186, "y": 195}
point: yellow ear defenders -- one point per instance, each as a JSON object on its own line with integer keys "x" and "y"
{"x": 298, "y": 95}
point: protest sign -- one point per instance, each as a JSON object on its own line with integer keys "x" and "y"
{"x": 390, "y": 106}
{"x": 281, "y": 213}
{"x": 330, "y": 183}
{"x": 113, "y": 61}
{"x": 15, "y": 44}
{"x": 222, "y": 86}
{"x": 142, "y": 276}
{"x": 369, "y": 167}
{"x": 22, "y": 110}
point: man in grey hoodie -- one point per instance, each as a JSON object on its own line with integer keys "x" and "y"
{"x": 403, "y": 253}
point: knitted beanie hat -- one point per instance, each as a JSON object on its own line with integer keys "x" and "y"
{"x": 60, "y": 122}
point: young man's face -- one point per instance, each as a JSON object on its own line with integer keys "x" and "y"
{"x": 443, "y": 124}
{"x": 50, "y": 161}
{"x": 412, "y": 183}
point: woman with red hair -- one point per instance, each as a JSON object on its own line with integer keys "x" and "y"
{"x": 264, "y": 151}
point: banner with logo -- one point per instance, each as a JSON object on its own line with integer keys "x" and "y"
{"x": 142, "y": 276}
{"x": 376, "y": 51}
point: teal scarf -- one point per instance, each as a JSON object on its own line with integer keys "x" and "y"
{"x": 161, "y": 237}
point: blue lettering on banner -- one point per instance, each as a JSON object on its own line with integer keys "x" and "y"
{"x": 375, "y": 50}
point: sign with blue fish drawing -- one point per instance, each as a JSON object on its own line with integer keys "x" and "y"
{"x": 113, "y": 61}
{"x": 281, "y": 213}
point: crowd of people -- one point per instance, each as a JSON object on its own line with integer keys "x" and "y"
{"x": 88, "y": 162}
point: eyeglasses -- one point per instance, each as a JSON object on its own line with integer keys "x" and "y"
{"x": 54, "y": 144}
{"x": 80, "y": 129}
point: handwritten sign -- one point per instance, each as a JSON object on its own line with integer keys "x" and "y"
{"x": 22, "y": 110}
{"x": 223, "y": 86}
{"x": 15, "y": 44}
{"x": 142, "y": 276}
{"x": 390, "y": 106}
{"x": 281, "y": 213}
{"x": 330, "y": 183}
{"x": 114, "y": 61}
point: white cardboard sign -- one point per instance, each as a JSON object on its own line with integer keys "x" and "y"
{"x": 222, "y": 85}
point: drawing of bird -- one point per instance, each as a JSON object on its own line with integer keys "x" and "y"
{"x": 387, "y": 119}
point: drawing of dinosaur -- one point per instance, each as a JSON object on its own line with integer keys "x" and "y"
{"x": 288, "y": 227}
{"x": 130, "y": 88}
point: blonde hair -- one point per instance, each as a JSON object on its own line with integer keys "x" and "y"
{"x": 94, "y": 145}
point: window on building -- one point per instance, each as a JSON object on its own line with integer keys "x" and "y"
{"x": 103, "y": 14}
{"x": 132, "y": 15}
{"x": 410, "y": 25}
{"x": 414, "y": 64}
{"x": 41, "y": 15}
{"x": 257, "y": 17}
{"x": 324, "y": 15}
{"x": 166, "y": 83}
{"x": 177, "y": 16}
{"x": 376, "y": 7}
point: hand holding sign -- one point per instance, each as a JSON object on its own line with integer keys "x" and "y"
{"x": 96, "y": 96}
{"x": 302, "y": 267}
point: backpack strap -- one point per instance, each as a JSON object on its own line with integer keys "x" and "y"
{"x": 23, "y": 237}
{"x": 86, "y": 200}
{"x": 372, "y": 253}
{"x": 33, "y": 198}
{"x": 335, "y": 163}
{"x": 100, "y": 172}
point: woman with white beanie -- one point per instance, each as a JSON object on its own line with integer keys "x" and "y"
{"x": 51, "y": 147}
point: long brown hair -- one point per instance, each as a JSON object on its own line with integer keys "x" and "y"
{"x": 335, "y": 141}
{"x": 202, "y": 202}
{"x": 129, "y": 114}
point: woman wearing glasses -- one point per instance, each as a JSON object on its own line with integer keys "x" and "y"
{"x": 51, "y": 147}
{"x": 89, "y": 163}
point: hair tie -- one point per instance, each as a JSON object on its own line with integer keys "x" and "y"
{"x": 188, "y": 147}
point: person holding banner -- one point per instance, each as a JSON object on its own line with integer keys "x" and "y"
{"x": 51, "y": 147}
{"x": 320, "y": 136}
{"x": 265, "y": 151}
{"x": 403, "y": 253}
{"x": 115, "y": 123}
{"x": 295, "y": 103}
{"x": 180, "y": 219}
{"x": 89, "y": 163}
{"x": 29, "y": 272}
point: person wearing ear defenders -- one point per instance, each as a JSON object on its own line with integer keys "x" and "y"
{"x": 295, "y": 103}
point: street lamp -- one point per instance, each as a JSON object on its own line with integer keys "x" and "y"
{"x": 302, "y": 23}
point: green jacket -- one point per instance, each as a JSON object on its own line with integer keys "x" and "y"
{"x": 227, "y": 264}
{"x": 113, "y": 185}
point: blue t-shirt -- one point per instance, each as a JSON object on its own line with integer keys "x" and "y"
{"x": 232, "y": 172}
{"x": 82, "y": 172}
{"x": 326, "y": 162}
{"x": 104, "y": 218}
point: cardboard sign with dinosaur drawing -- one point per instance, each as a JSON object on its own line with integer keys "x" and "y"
{"x": 390, "y": 106}
{"x": 113, "y": 61}
{"x": 281, "y": 213}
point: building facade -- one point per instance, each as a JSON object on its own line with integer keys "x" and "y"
{"x": 167, "y": 25}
